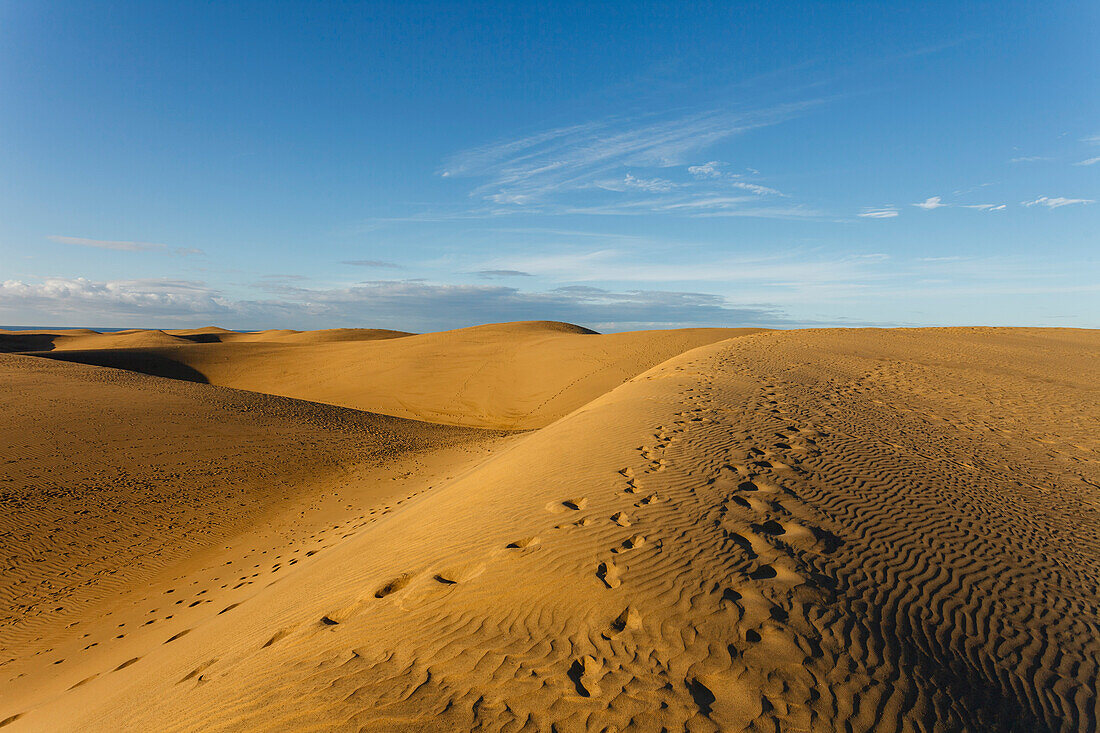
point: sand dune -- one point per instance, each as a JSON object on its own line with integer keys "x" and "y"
{"x": 112, "y": 479}
{"x": 812, "y": 530}
{"x": 87, "y": 339}
{"x": 14, "y": 341}
{"x": 513, "y": 376}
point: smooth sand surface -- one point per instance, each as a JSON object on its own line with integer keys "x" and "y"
{"x": 512, "y": 376}
{"x": 806, "y": 530}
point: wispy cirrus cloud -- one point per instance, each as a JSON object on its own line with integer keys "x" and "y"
{"x": 493, "y": 274}
{"x": 623, "y": 166}
{"x": 936, "y": 202}
{"x": 123, "y": 246}
{"x": 622, "y": 265}
{"x": 888, "y": 212}
{"x": 1055, "y": 202}
{"x": 629, "y": 181}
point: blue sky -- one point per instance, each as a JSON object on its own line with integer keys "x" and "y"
{"x": 434, "y": 165}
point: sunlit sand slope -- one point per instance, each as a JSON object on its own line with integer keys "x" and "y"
{"x": 822, "y": 530}
{"x": 110, "y": 478}
{"x": 511, "y": 375}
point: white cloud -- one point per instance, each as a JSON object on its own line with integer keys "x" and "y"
{"x": 397, "y": 304}
{"x": 933, "y": 202}
{"x": 652, "y": 185}
{"x": 515, "y": 199}
{"x": 706, "y": 170}
{"x": 1028, "y": 159}
{"x": 885, "y": 213}
{"x": 82, "y": 297}
{"x": 121, "y": 246}
{"x": 1056, "y": 202}
{"x": 757, "y": 189}
{"x": 1089, "y": 161}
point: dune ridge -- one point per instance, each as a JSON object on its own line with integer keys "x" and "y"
{"x": 508, "y": 376}
{"x": 815, "y": 530}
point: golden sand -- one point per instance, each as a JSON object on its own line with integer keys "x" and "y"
{"x": 694, "y": 530}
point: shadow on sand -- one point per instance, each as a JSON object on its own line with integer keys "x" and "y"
{"x": 132, "y": 360}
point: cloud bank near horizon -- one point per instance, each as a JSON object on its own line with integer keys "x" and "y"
{"x": 419, "y": 306}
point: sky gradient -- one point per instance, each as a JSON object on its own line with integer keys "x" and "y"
{"x": 621, "y": 166}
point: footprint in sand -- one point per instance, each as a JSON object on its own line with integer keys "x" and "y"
{"x": 393, "y": 585}
{"x": 277, "y": 636}
{"x": 758, "y": 485}
{"x": 777, "y": 572}
{"x": 620, "y": 519}
{"x": 84, "y": 681}
{"x": 629, "y": 620}
{"x": 460, "y": 573}
{"x": 523, "y": 544}
{"x": 556, "y": 507}
{"x": 198, "y": 670}
{"x": 586, "y": 674}
{"x": 608, "y": 572}
{"x": 633, "y": 543}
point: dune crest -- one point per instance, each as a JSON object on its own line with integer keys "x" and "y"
{"x": 505, "y": 375}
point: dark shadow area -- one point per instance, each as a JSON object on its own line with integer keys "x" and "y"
{"x": 15, "y": 342}
{"x": 576, "y": 671}
{"x": 132, "y": 360}
{"x": 701, "y": 694}
{"x": 202, "y": 338}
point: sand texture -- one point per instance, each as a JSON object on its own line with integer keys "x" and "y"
{"x": 513, "y": 376}
{"x": 840, "y": 529}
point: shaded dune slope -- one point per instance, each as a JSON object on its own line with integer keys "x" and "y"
{"x": 821, "y": 530}
{"x": 511, "y": 375}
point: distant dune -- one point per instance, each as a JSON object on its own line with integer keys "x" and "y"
{"x": 516, "y": 375}
{"x": 835, "y": 529}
